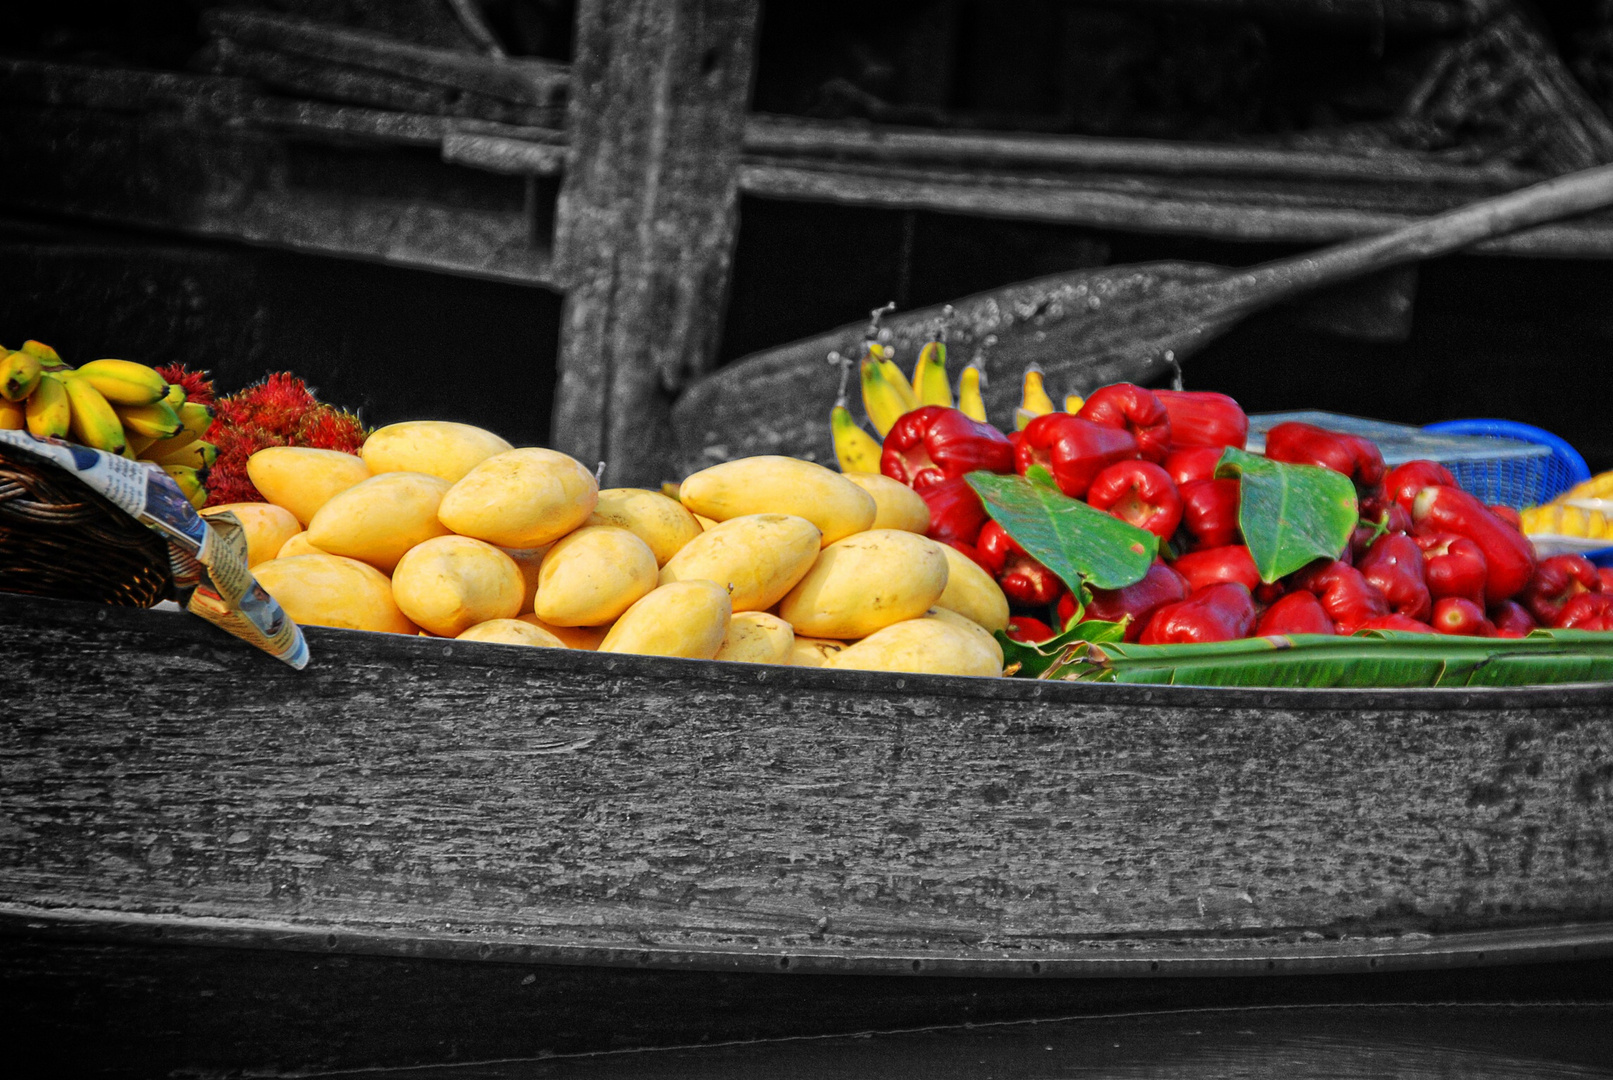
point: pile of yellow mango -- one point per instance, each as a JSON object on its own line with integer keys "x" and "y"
{"x": 446, "y": 529}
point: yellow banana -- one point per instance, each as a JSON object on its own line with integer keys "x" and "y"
{"x": 197, "y": 418}
{"x": 154, "y": 421}
{"x": 188, "y": 479}
{"x": 887, "y": 397}
{"x": 969, "y": 399}
{"x": 19, "y": 374}
{"x": 48, "y": 358}
{"x": 930, "y": 376}
{"x": 197, "y": 454}
{"x": 884, "y": 356}
{"x": 162, "y": 447}
{"x": 1034, "y": 401}
{"x": 49, "y": 414}
{"x": 1073, "y": 403}
{"x": 175, "y": 396}
{"x": 124, "y": 382}
{"x": 94, "y": 422}
{"x": 12, "y": 417}
{"x": 855, "y": 449}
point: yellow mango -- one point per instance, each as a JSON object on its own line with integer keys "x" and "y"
{"x": 529, "y": 561}
{"x": 302, "y": 478}
{"x": 266, "y": 525}
{"x": 593, "y": 575}
{"x": 704, "y": 522}
{"x": 769, "y": 484}
{"x": 684, "y": 618}
{"x": 897, "y": 506}
{"x": 867, "y": 582}
{"x": 755, "y": 637}
{"x": 980, "y": 634}
{"x": 328, "y": 590}
{"x": 813, "y": 652}
{"x": 572, "y": 637}
{"x": 378, "y": 519}
{"x": 512, "y": 632}
{"x": 521, "y": 498}
{"x": 660, "y": 522}
{"x": 435, "y": 447}
{"x": 298, "y": 545}
{"x": 924, "y": 646}
{"x": 972, "y": 592}
{"x": 450, "y": 583}
{"x": 757, "y": 557}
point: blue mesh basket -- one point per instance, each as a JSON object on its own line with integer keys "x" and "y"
{"x": 1515, "y": 482}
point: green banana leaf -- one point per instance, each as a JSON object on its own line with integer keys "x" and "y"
{"x": 1067, "y": 536}
{"x": 1031, "y": 660}
{"x": 1389, "y": 659}
{"x": 1289, "y": 514}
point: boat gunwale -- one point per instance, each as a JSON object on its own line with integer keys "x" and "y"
{"x": 327, "y": 643}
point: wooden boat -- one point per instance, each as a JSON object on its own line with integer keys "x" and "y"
{"x": 420, "y": 850}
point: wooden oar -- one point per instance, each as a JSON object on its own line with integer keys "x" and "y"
{"x": 1085, "y": 328}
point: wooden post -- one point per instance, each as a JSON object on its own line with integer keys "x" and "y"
{"x": 646, "y": 219}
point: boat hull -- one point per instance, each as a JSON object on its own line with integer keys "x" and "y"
{"x": 434, "y": 805}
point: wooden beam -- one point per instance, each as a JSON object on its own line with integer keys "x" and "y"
{"x": 1411, "y": 15}
{"x": 822, "y": 141}
{"x": 523, "y": 81}
{"x": 314, "y": 78}
{"x": 1273, "y": 212}
{"x": 646, "y": 218}
{"x": 177, "y": 171}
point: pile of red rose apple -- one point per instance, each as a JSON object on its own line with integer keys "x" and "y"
{"x": 1427, "y": 557}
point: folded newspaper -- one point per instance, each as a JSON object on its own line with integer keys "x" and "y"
{"x": 207, "y": 556}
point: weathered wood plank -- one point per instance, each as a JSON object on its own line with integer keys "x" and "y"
{"x": 768, "y": 137}
{"x": 646, "y": 218}
{"x": 524, "y": 80}
{"x": 175, "y": 170}
{"x": 307, "y": 77}
{"x": 1419, "y": 15}
{"x": 1233, "y": 210}
{"x": 1102, "y": 183}
{"x": 570, "y": 799}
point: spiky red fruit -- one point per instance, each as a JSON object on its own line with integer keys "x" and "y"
{"x": 198, "y": 387}
{"x": 279, "y": 411}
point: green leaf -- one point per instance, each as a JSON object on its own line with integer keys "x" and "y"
{"x": 1290, "y": 514}
{"x": 1066, "y": 535}
{"x": 1366, "y": 660}
{"x": 1034, "y": 659}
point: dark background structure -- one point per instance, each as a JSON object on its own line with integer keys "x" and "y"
{"x": 218, "y": 184}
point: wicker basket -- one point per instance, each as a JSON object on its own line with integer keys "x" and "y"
{"x": 59, "y": 538}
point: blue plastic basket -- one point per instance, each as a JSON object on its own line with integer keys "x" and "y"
{"x": 1515, "y": 482}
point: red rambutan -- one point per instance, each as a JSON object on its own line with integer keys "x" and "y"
{"x": 279, "y": 411}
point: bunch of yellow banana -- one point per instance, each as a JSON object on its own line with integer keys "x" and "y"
{"x": 887, "y": 396}
{"x": 117, "y": 406}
